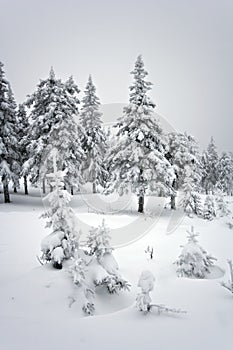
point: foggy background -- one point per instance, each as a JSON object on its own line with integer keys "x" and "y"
{"x": 187, "y": 47}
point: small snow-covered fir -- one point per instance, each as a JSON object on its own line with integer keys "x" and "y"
{"x": 193, "y": 261}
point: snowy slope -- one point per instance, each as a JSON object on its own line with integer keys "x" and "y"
{"x": 35, "y": 301}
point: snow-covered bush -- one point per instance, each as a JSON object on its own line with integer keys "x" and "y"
{"x": 59, "y": 244}
{"x": 78, "y": 271}
{"x": 229, "y": 284}
{"x": 146, "y": 283}
{"x": 106, "y": 271}
{"x": 143, "y": 300}
{"x": 193, "y": 261}
{"x": 96, "y": 268}
{"x": 209, "y": 211}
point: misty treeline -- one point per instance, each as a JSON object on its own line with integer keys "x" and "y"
{"x": 134, "y": 155}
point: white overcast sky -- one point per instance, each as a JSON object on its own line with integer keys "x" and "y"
{"x": 187, "y": 46}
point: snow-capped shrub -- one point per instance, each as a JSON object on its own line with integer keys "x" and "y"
{"x": 193, "y": 261}
{"x": 114, "y": 284}
{"x": 146, "y": 283}
{"x": 96, "y": 268}
{"x": 143, "y": 300}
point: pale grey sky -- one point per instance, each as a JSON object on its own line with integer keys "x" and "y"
{"x": 187, "y": 46}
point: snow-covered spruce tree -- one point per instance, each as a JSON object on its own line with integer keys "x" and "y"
{"x": 61, "y": 243}
{"x": 23, "y": 141}
{"x": 229, "y": 284}
{"x": 94, "y": 139}
{"x": 53, "y": 108}
{"x": 16, "y": 166}
{"x": 191, "y": 200}
{"x": 209, "y": 211}
{"x": 137, "y": 162}
{"x": 193, "y": 261}
{"x": 104, "y": 264}
{"x": 225, "y": 173}
{"x": 9, "y": 162}
{"x": 210, "y": 168}
{"x": 182, "y": 151}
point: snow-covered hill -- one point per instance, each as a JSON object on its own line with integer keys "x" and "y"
{"x": 36, "y": 301}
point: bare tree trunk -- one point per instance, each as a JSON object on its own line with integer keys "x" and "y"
{"x": 25, "y": 184}
{"x": 72, "y": 190}
{"x": 141, "y": 204}
{"x": 94, "y": 190}
{"x": 43, "y": 186}
{"x": 6, "y": 192}
{"x": 173, "y": 195}
{"x": 141, "y": 193}
{"x": 173, "y": 201}
{"x": 15, "y": 189}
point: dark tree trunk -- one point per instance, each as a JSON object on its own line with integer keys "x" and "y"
{"x": 15, "y": 189}
{"x": 173, "y": 201}
{"x": 141, "y": 204}
{"x": 43, "y": 186}
{"x": 173, "y": 195}
{"x": 6, "y": 192}
{"x": 141, "y": 193}
{"x": 72, "y": 190}
{"x": 94, "y": 190}
{"x": 25, "y": 184}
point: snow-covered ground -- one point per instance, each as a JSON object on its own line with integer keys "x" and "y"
{"x": 36, "y": 308}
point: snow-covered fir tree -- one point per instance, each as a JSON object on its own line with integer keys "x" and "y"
{"x": 190, "y": 200}
{"x": 182, "y": 151}
{"x": 137, "y": 162}
{"x": 23, "y": 141}
{"x": 61, "y": 243}
{"x": 94, "y": 138}
{"x": 225, "y": 173}
{"x": 193, "y": 261}
{"x": 9, "y": 157}
{"x": 209, "y": 211}
{"x": 54, "y": 106}
{"x": 98, "y": 241}
{"x": 210, "y": 168}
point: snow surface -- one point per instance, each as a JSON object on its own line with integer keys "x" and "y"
{"x": 36, "y": 302}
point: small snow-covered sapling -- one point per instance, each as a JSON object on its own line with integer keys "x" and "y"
{"x": 193, "y": 261}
